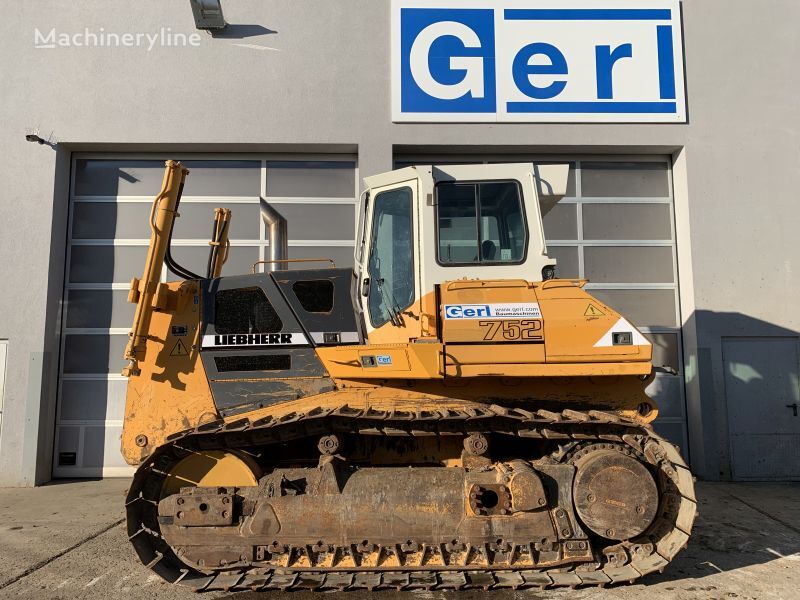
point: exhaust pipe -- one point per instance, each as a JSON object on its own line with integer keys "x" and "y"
{"x": 277, "y": 233}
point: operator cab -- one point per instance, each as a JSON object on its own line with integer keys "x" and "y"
{"x": 423, "y": 225}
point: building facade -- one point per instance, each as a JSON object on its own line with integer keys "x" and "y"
{"x": 686, "y": 223}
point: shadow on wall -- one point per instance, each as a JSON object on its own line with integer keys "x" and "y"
{"x": 749, "y": 385}
{"x": 240, "y": 32}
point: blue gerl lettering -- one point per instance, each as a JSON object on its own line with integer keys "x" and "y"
{"x": 466, "y": 311}
{"x": 523, "y": 70}
{"x": 605, "y": 58}
{"x": 445, "y": 60}
{"x": 450, "y": 60}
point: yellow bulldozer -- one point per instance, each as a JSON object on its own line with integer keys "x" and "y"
{"x": 447, "y": 414}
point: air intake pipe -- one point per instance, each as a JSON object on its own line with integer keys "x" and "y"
{"x": 278, "y": 236}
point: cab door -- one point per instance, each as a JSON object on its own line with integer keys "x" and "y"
{"x": 389, "y": 270}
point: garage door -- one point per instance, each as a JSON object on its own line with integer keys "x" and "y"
{"x": 110, "y": 202}
{"x": 616, "y": 228}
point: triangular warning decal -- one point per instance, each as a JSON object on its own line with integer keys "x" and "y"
{"x": 593, "y": 311}
{"x": 622, "y": 326}
{"x": 179, "y": 350}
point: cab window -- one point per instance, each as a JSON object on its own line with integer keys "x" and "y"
{"x": 480, "y": 222}
{"x": 391, "y": 260}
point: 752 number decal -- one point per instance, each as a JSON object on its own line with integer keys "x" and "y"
{"x": 512, "y": 330}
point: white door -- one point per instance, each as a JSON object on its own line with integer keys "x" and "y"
{"x": 762, "y": 392}
{"x": 393, "y": 281}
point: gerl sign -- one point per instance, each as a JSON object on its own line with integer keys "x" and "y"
{"x": 537, "y": 61}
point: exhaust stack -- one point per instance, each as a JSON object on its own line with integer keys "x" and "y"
{"x": 278, "y": 236}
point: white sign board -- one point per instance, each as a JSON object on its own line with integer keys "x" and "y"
{"x": 584, "y": 61}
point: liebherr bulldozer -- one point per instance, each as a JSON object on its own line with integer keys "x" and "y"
{"x": 447, "y": 414}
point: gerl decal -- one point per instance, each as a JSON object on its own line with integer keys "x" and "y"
{"x": 503, "y": 310}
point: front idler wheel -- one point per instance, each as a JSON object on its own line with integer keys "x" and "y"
{"x": 615, "y": 494}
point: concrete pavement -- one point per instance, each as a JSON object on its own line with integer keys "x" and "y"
{"x": 67, "y": 540}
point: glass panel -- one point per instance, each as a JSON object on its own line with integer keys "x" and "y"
{"x": 196, "y": 219}
{"x": 624, "y": 179}
{"x": 245, "y": 310}
{"x": 502, "y": 225}
{"x": 128, "y": 177}
{"x": 631, "y": 264}
{"x": 674, "y": 432}
{"x": 653, "y": 308}
{"x": 95, "y": 353}
{"x": 391, "y": 262}
{"x": 101, "y": 447}
{"x": 99, "y": 308}
{"x": 319, "y": 221}
{"x": 561, "y": 222}
{"x": 195, "y": 258}
{"x": 567, "y": 257}
{"x": 223, "y": 178}
{"x": 129, "y": 220}
{"x": 304, "y": 179}
{"x": 665, "y": 349}
{"x": 457, "y": 224}
{"x": 341, "y": 255}
{"x": 92, "y": 400}
{"x": 626, "y": 221}
{"x": 118, "y": 177}
{"x": 105, "y": 264}
{"x": 666, "y": 391}
{"x": 68, "y": 439}
{"x": 93, "y": 446}
{"x": 498, "y": 236}
{"x": 109, "y": 220}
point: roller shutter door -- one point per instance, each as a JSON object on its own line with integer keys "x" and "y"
{"x": 110, "y": 202}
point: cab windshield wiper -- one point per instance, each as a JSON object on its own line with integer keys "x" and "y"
{"x": 391, "y": 304}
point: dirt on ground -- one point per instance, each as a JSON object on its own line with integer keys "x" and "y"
{"x": 67, "y": 540}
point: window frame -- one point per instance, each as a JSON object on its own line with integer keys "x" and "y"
{"x": 477, "y": 184}
{"x": 372, "y": 234}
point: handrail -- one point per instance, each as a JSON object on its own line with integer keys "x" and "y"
{"x": 552, "y": 282}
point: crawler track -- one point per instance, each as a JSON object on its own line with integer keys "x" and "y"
{"x": 499, "y": 565}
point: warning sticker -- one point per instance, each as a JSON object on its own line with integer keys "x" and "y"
{"x": 593, "y": 311}
{"x": 179, "y": 350}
